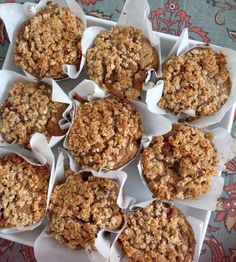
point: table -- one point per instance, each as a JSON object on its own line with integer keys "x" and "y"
{"x": 208, "y": 21}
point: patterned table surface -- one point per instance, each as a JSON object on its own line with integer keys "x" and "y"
{"x": 211, "y": 21}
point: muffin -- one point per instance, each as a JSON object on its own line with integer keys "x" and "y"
{"x": 48, "y": 40}
{"x": 81, "y": 207}
{"x": 197, "y": 80}
{"x": 158, "y": 232}
{"x": 23, "y": 190}
{"x": 29, "y": 109}
{"x": 119, "y": 60}
{"x": 105, "y": 134}
{"x": 180, "y": 164}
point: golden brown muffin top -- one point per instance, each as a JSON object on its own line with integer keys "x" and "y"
{"x": 48, "y": 40}
{"x": 29, "y": 109}
{"x": 180, "y": 164}
{"x": 198, "y": 80}
{"x": 81, "y": 207}
{"x": 119, "y": 60}
{"x": 23, "y": 190}
{"x": 158, "y": 232}
{"x": 105, "y": 134}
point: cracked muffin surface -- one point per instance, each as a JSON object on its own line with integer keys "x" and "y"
{"x": 158, "y": 232}
{"x": 81, "y": 207}
{"x": 23, "y": 190}
{"x": 48, "y": 40}
{"x": 119, "y": 60}
{"x": 30, "y": 109}
{"x": 180, "y": 164}
{"x": 198, "y": 80}
{"x": 105, "y": 133}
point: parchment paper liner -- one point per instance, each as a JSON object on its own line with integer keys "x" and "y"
{"x": 116, "y": 254}
{"x": 134, "y": 13}
{"x": 181, "y": 46}
{"x": 14, "y": 15}
{"x": 46, "y": 248}
{"x": 226, "y": 150}
{"x": 42, "y": 153}
{"x": 153, "y": 124}
{"x": 7, "y": 79}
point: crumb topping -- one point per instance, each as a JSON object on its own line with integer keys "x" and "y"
{"x": 48, "y": 40}
{"x": 105, "y": 133}
{"x": 180, "y": 164}
{"x": 81, "y": 207}
{"x": 119, "y": 60}
{"x": 23, "y": 190}
{"x": 197, "y": 80}
{"x": 29, "y": 109}
{"x": 158, "y": 232}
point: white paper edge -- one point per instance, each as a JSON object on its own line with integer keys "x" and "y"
{"x": 43, "y": 154}
{"x": 7, "y": 79}
{"x": 226, "y": 150}
{"x": 102, "y": 243}
{"x": 117, "y": 255}
{"x": 181, "y": 46}
{"x": 14, "y": 15}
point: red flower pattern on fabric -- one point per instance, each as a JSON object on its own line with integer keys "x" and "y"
{"x": 3, "y": 34}
{"x": 226, "y": 208}
{"x": 88, "y": 2}
{"x": 28, "y": 253}
{"x": 171, "y": 6}
{"x": 172, "y": 20}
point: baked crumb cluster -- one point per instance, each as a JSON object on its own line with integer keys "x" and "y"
{"x": 105, "y": 134}
{"x": 23, "y": 190}
{"x": 119, "y": 60}
{"x": 29, "y": 109}
{"x": 180, "y": 164}
{"x": 48, "y": 40}
{"x": 197, "y": 80}
{"x": 158, "y": 232}
{"x": 81, "y": 207}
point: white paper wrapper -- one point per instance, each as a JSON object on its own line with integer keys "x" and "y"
{"x": 46, "y": 248}
{"x": 42, "y": 153}
{"x": 183, "y": 45}
{"x": 226, "y": 150}
{"x": 14, "y": 15}
{"x": 153, "y": 124}
{"x": 117, "y": 255}
{"x": 134, "y": 13}
{"x": 7, "y": 79}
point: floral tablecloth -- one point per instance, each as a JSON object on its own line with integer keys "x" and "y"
{"x": 211, "y": 21}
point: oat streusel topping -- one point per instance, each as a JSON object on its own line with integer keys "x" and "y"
{"x": 23, "y": 190}
{"x": 180, "y": 164}
{"x": 29, "y": 109}
{"x": 48, "y": 40}
{"x": 81, "y": 207}
{"x": 198, "y": 80}
{"x": 105, "y": 134}
{"x": 119, "y": 60}
{"x": 158, "y": 232}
